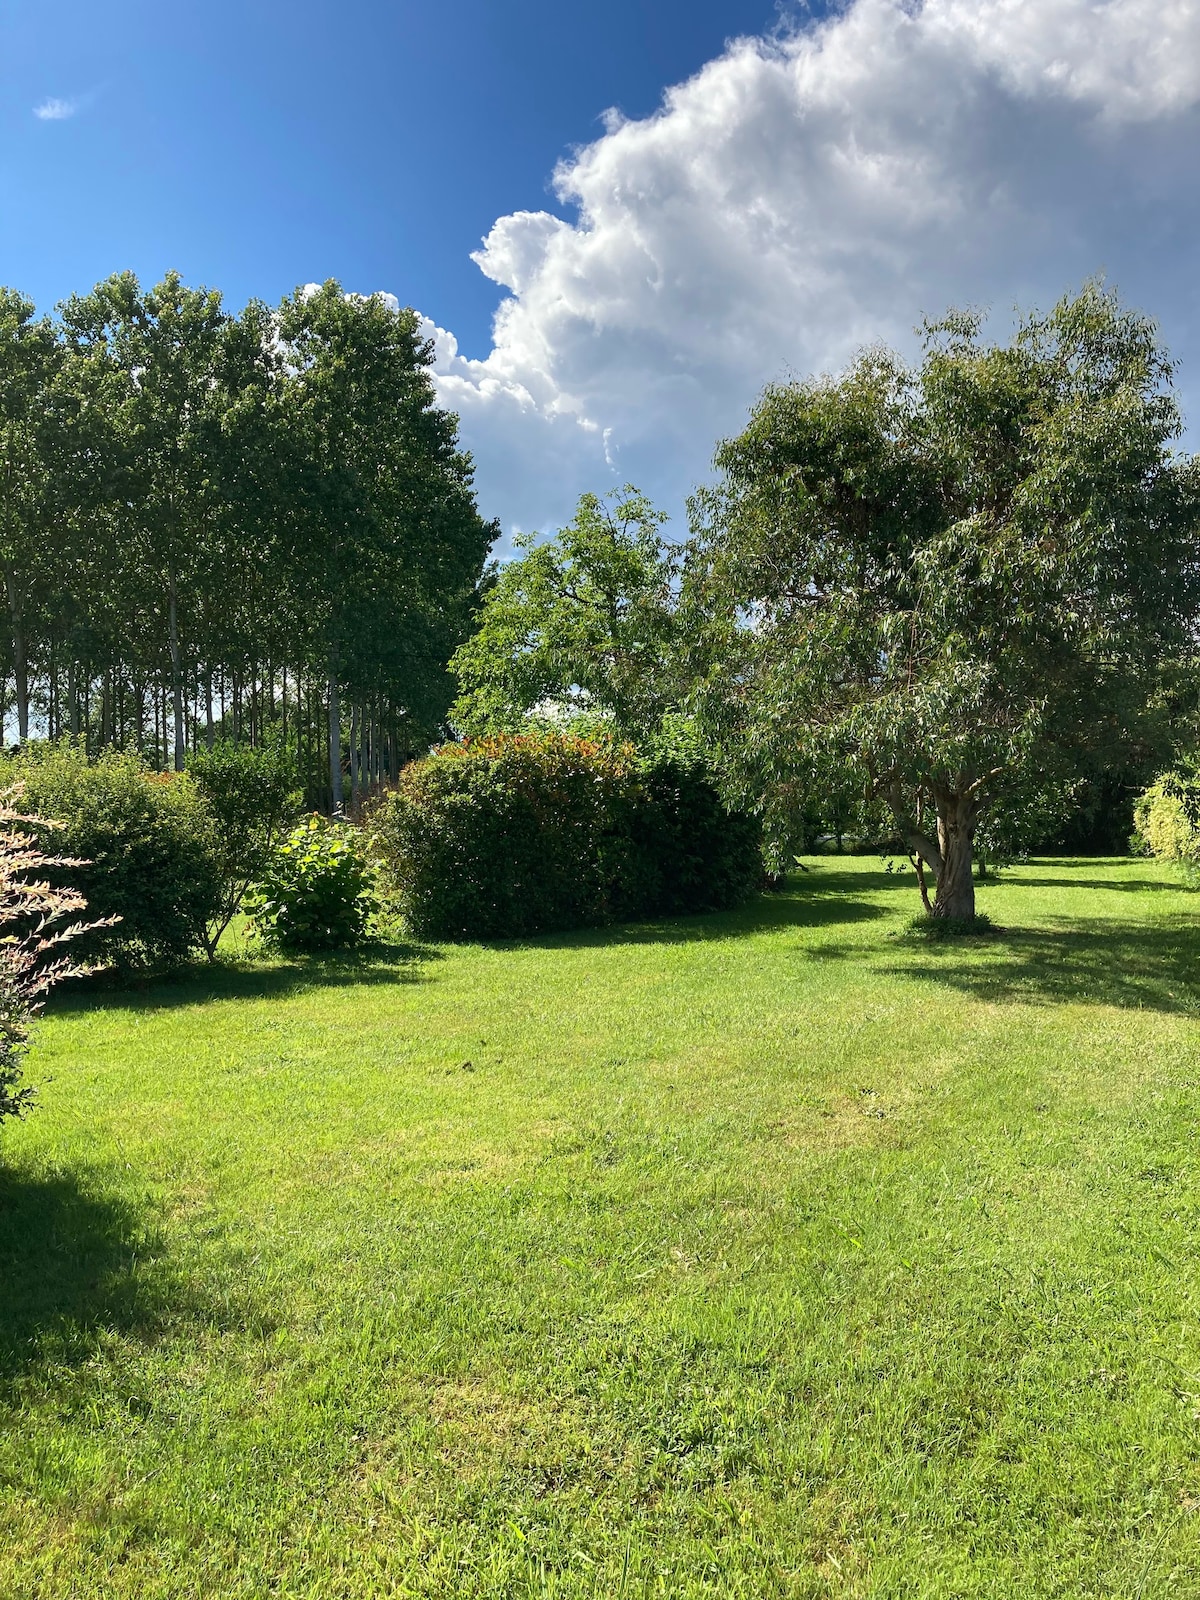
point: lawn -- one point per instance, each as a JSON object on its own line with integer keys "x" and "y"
{"x": 781, "y": 1253}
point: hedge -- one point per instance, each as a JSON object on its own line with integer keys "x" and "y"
{"x": 521, "y": 834}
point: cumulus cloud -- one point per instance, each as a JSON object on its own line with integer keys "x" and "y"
{"x": 808, "y": 193}
{"x": 55, "y": 110}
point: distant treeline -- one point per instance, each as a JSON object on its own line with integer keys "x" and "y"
{"x": 254, "y": 525}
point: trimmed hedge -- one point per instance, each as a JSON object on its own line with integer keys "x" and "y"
{"x": 522, "y": 834}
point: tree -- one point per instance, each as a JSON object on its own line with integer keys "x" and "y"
{"x": 586, "y": 618}
{"x": 29, "y": 354}
{"x": 955, "y": 579}
{"x": 387, "y": 543}
{"x": 164, "y": 343}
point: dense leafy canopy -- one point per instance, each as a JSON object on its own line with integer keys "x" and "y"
{"x": 954, "y": 582}
{"x": 214, "y": 524}
{"x": 583, "y": 622}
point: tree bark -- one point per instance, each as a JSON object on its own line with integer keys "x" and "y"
{"x": 354, "y": 763}
{"x": 176, "y": 674}
{"x": 955, "y": 896}
{"x": 20, "y": 657}
{"x": 335, "y": 734}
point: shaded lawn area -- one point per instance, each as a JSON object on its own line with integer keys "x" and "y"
{"x": 774, "y": 1254}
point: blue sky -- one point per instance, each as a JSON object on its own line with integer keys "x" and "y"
{"x": 259, "y": 145}
{"x": 608, "y": 295}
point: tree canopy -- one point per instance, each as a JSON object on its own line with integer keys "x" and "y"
{"x": 584, "y": 621}
{"x": 954, "y": 580}
{"x": 213, "y": 524}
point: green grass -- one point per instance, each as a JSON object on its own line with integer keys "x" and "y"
{"x": 783, "y": 1253}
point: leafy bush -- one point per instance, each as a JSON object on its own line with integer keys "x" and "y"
{"x": 515, "y": 835}
{"x": 316, "y": 892}
{"x": 35, "y": 923}
{"x": 252, "y": 794}
{"x": 1167, "y": 819}
{"x": 145, "y": 845}
{"x": 674, "y": 849}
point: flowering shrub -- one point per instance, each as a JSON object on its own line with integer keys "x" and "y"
{"x": 36, "y": 921}
{"x": 520, "y": 834}
{"x": 315, "y": 893}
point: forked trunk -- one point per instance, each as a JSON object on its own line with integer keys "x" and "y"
{"x": 955, "y": 897}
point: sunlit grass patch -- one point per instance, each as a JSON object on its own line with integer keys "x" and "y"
{"x": 766, "y": 1254}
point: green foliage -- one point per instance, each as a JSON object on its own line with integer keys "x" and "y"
{"x": 583, "y": 621}
{"x": 955, "y": 582}
{"x": 146, "y": 847}
{"x": 217, "y": 522}
{"x": 252, "y": 795}
{"x": 315, "y": 893}
{"x": 515, "y": 835}
{"x": 978, "y": 926}
{"x": 1167, "y": 819}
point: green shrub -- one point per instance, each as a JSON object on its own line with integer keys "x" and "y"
{"x": 1167, "y": 819}
{"x": 316, "y": 892}
{"x": 674, "y": 848}
{"x": 147, "y": 844}
{"x": 253, "y": 796}
{"x": 515, "y": 835}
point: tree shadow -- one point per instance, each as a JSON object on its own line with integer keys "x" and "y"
{"x": 78, "y": 1266}
{"x": 1097, "y": 961}
{"x": 242, "y": 979}
{"x": 810, "y": 902}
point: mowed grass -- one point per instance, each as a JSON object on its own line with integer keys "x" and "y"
{"x": 774, "y": 1254}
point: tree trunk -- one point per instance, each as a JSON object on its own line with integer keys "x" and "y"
{"x": 354, "y": 761}
{"x": 20, "y": 658}
{"x": 335, "y": 735}
{"x": 955, "y": 896}
{"x": 176, "y": 674}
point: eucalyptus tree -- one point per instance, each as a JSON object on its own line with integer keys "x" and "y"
{"x": 954, "y": 580}
{"x": 585, "y": 617}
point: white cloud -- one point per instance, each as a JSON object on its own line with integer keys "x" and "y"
{"x": 801, "y": 196}
{"x": 55, "y": 110}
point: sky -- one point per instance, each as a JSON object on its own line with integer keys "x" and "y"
{"x": 618, "y": 221}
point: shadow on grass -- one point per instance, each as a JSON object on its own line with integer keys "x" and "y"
{"x": 247, "y": 979}
{"x": 77, "y": 1267}
{"x": 816, "y": 901}
{"x": 1097, "y": 961}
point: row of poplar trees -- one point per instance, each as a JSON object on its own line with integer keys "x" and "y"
{"x": 252, "y": 526}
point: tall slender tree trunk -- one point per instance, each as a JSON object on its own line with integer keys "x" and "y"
{"x": 208, "y": 708}
{"x": 355, "y": 764}
{"x": 176, "y": 673}
{"x": 335, "y": 733}
{"x": 20, "y": 657}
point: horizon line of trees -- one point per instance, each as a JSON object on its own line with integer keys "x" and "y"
{"x": 257, "y": 525}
